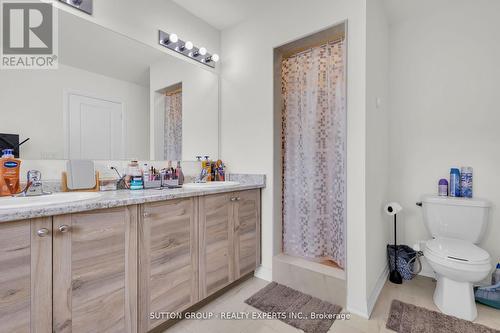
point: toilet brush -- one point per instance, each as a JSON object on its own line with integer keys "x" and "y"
{"x": 392, "y": 209}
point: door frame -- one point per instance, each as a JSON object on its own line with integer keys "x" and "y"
{"x": 66, "y": 97}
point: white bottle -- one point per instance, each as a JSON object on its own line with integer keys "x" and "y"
{"x": 145, "y": 172}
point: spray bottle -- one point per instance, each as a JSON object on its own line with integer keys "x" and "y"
{"x": 495, "y": 277}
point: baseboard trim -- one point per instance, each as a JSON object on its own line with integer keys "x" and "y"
{"x": 377, "y": 290}
{"x": 264, "y": 273}
{"x": 357, "y": 312}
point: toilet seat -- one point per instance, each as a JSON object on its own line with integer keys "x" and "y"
{"x": 457, "y": 251}
{"x": 458, "y": 264}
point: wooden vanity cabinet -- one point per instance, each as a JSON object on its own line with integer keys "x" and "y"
{"x": 70, "y": 273}
{"x": 246, "y": 232}
{"x": 168, "y": 259}
{"x": 26, "y": 276}
{"x": 95, "y": 271}
{"x": 108, "y": 270}
{"x": 216, "y": 242}
{"x": 229, "y": 238}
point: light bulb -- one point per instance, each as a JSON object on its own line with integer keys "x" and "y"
{"x": 215, "y": 57}
{"x": 173, "y": 38}
{"x": 188, "y": 45}
{"x": 202, "y": 51}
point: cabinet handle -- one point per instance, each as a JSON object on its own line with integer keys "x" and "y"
{"x": 64, "y": 228}
{"x": 43, "y": 232}
{"x": 234, "y": 199}
{"x": 238, "y": 199}
{"x": 145, "y": 214}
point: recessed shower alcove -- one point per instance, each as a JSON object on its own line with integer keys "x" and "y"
{"x": 310, "y": 115}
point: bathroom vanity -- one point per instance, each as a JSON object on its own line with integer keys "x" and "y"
{"x": 115, "y": 263}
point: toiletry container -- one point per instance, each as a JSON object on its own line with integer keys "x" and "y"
{"x": 443, "y": 187}
{"x": 179, "y": 173}
{"x": 108, "y": 184}
{"x": 9, "y": 173}
{"x": 207, "y": 164}
{"x": 454, "y": 182}
{"x": 466, "y": 182}
{"x": 495, "y": 277}
{"x": 145, "y": 173}
{"x": 135, "y": 176}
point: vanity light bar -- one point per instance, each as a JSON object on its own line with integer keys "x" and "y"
{"x": 186, "y": 48}
{"x": 85, "y": 6}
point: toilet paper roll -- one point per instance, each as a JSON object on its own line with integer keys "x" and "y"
{"x": 392, "y": 208}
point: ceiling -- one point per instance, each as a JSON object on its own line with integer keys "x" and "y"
{"x": 400, "y": 10}
{"x": 221, "y": 14}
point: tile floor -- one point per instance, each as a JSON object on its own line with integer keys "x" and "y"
{"x": 418, "y": 291}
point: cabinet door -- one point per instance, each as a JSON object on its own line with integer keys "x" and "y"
{"x": 216, "y": 242}
{"x": 168, "y": 259}
{"x": 246, "y": 232}
{"x": 26, "y": 276}
{"x": 95, "y": 271}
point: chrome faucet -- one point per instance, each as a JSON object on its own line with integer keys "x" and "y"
{"x": 34, "y": 181}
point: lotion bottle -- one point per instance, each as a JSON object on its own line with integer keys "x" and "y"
{"x": 9, "y": 173}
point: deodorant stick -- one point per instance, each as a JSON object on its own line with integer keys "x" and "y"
{"x": 443, "y": 187}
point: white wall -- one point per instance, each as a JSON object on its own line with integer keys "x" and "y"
{"x": 444, "y": 107}
{"x": 377, "y": 148}
{"x": 247, "y": 114}
{"x": 32, "y": 105}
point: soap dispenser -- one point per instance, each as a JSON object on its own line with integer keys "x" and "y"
{"x": 9, "y": 173}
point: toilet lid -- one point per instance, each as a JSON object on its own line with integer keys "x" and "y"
{"x": 457, "y": 249}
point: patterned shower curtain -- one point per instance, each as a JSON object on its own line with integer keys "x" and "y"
{"x": 314, "y": 153}
{"x": 173, "y": 126}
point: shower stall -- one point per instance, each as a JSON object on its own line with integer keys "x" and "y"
{"x": 314, "y": 132}
{"x": 310, "y": 85}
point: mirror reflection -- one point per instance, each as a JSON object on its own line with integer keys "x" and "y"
{"x": 111, "y": 98}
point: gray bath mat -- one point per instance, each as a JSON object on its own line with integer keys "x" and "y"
{"x": 287, "y": 302}
{"x": 408, "y": 318}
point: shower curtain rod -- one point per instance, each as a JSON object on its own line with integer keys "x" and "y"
{"x": 335, "y": 41}
{"x": 173, "y": 92}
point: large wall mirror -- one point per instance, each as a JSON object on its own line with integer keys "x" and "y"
{"x": 112, "y": 98}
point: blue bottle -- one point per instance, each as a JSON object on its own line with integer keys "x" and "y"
{"x": 454, "y": 182}
{"x": 495, "y": 277}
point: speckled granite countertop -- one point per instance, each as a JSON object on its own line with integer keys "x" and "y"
{"x": 124, "y": 198}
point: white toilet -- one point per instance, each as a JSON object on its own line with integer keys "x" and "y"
{"x": 456, "y": 225}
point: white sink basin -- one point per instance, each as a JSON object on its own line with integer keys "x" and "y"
{"x": 209, "y": 185}
{"x": 49, "y": 199}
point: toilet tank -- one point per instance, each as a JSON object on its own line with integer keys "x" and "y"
{"x": 459, "y": 218}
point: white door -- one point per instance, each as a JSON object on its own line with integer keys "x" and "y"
{"x": 95, "y": 128}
